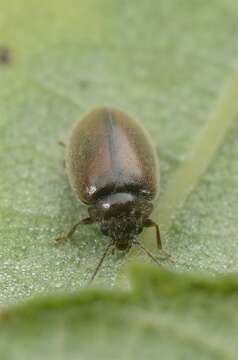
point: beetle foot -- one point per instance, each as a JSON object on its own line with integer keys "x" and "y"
{"x": 62, "y": 142}
{"x": 61, "y": 239}
{"x": 166, "y": 256}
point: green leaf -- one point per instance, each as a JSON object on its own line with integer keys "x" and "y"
{"x": 172, "y": 65}
{"x": 165, "y": 314}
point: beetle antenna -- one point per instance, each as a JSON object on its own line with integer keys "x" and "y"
{"x": 100, "y": 262}
{"x": 146, "y": 251}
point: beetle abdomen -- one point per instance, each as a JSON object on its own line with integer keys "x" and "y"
{"x": 109, "y": 152}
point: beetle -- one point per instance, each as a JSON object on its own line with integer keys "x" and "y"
{"x": 114, "y": 170}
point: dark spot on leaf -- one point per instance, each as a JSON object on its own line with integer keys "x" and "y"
{"x": 84, "y": 84}
{"x": 5, "y": 55}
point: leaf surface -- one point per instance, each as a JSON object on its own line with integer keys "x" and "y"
{"x": 172, "y": 65}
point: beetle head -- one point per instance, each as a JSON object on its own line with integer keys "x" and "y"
{"x": 121, "y": 216}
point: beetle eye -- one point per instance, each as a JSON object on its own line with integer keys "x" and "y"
{"x": 104, "y": 229}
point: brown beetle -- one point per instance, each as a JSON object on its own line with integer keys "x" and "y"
{"x": 113, "y": 168}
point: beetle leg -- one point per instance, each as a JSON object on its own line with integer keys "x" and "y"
{"x": 69, "y": 234}
{"x": 86, "y": 221}
{"x": 151, "y": 223}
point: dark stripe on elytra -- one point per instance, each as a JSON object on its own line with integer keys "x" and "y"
{"x": 112, "y": 141}
{"x": 116, "y": 168}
